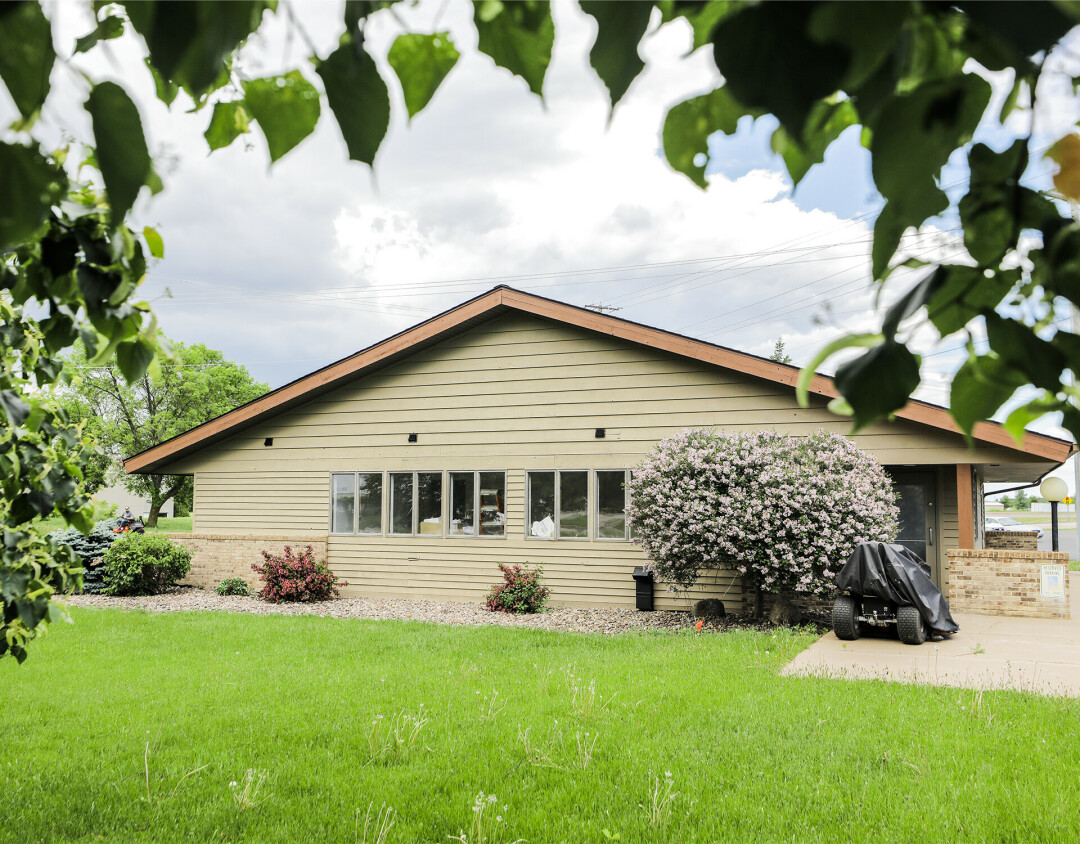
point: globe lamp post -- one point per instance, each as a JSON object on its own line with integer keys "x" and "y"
{"x": 1054, "y": 490}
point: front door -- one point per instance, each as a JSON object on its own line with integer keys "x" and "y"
{"x": 916, "y": 497}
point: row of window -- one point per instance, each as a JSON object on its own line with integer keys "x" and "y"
{"x": 559, "y": 504}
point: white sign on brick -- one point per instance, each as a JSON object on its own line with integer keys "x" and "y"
{"x": 1053, "y": 581}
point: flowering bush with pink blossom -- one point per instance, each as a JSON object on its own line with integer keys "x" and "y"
{"x": 296, "y": 577}
{"x": 520, "y": 592}
{"x": 784, "y": 512}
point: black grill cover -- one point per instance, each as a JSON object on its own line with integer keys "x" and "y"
{"x": 895, "y": 573}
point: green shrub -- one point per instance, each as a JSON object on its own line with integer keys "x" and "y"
{"x": 144, "y": 564}
{"x": 296, "y": 577}
{"x": 233, "y": 586}
{"x": 520, "y": 592}
{"x": 88, "y": 547}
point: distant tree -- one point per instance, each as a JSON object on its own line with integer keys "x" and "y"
{"x": 198, "y": 385}
{"x": 780, "y": 354}
{"x": 1006, "y": 502}
{"x": 1022, "y": 501}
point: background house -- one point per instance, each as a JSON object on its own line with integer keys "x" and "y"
{"x": 120, "y": 496}
{"x": 502, "y": 431}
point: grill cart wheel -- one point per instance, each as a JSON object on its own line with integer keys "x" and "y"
{"x": 910, "y": 626}
{"x": 844, "y": 618}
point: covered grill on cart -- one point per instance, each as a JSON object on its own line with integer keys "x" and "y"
{"x": 883, "y": 585}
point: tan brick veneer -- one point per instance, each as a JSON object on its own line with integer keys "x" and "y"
{"x": 215, "y": 557}
{"x": 1004, "y": 582}
{"x": 1012, "y": 540}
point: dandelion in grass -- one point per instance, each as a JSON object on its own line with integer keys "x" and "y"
{"x": 246, "y": 794}
{"x": 481, "y": 831}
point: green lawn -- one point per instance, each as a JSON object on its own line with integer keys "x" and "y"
{"x": 177, "y": 525}
{"x": 132, "y": 726}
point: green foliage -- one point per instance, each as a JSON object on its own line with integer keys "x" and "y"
{"x": 87, "y": 546}
{"x": 189, "y": 43}
{"x": 286, "y": 109}
{"x": 298, "y": 577}
{"x": 518, "y": 36}
{"x": 144, "y": 564}
{"x": 421, "y": 62}
{"x": 779, "y": 353}
{"x": 1022, "y": 501}
{"x": 359, "y": 99}
{"x": 1006, "y": 502}
{"x": 33, "y": 185}
{"x": 108, "y": 27}
{"x": 689, "y": 125}
{"x": 229, "y": 121}
{"x": 614, "y": 56}
{"x": 195, "y": 386}
{"x": 121, "y": 148}
{"x": 522, "y": 591}
{"x": 233, "y": 586}
{"x": 26, "y": 55}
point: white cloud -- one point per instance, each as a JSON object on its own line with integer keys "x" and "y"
{"x": 316, "y": 257}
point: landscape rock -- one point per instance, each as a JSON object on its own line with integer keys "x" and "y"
{"x": 606, "y": 621}
{"x": 709, "y": 609}
{"x": 784, "y": 612}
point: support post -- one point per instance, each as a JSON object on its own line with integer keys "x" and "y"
{"x": 1054, "y": 527}
{"x": 965, "y": 515}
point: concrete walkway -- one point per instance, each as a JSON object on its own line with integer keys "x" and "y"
{"x": 990, "y": 652}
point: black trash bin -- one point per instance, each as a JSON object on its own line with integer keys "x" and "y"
{"x": 644, "y": 581}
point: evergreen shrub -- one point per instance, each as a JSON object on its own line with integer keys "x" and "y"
{"x": 88, "y": 547}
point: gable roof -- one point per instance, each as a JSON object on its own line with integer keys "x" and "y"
{"x": 504, "y": 299}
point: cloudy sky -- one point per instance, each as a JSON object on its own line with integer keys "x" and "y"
{"x": 288, "y": 268}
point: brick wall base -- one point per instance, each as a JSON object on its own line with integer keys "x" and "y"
{"x": 215, "y": 557}
{"x": 1012, "y": 540}
{"x": 1005, "y": 582}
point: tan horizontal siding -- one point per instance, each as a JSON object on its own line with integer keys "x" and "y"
{"x": 512, "y": 394}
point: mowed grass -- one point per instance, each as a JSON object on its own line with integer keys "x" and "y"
{"x": 104, "y": 725}
{"x": 180, "y": 524}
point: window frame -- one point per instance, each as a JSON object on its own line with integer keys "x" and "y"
{"x": 355, "y": 527}
{"x": 382, "y": 504}
{"x": 589, "y": 527}
{"x": 388, "y": 492}
{"x": 356, "y": 510}
{"x": 447, "y": 493}
{"x": 596, "y": 509}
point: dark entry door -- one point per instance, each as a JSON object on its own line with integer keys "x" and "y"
{"x": 915, "y": 496}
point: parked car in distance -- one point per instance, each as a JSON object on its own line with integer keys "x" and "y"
{"x": 1009, "y": 523}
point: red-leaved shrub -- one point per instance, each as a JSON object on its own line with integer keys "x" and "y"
{"x": 520, "y": 591}
{"x": 296, "y": 577}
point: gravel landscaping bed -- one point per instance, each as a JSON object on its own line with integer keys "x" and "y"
{"x": 438, "y": 612}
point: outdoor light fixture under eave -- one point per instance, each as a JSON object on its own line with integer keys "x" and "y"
{"x": 1054, "y": 490}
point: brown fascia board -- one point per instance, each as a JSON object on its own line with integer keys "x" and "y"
{"x": 503, "y": 298}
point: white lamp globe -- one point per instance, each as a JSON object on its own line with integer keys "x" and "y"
{"x": 1054, "y": 489}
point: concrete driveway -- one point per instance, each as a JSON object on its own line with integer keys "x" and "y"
{"x": 990, "y": 652}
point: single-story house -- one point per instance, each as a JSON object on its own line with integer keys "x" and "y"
{"x": 502, "y": 431}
